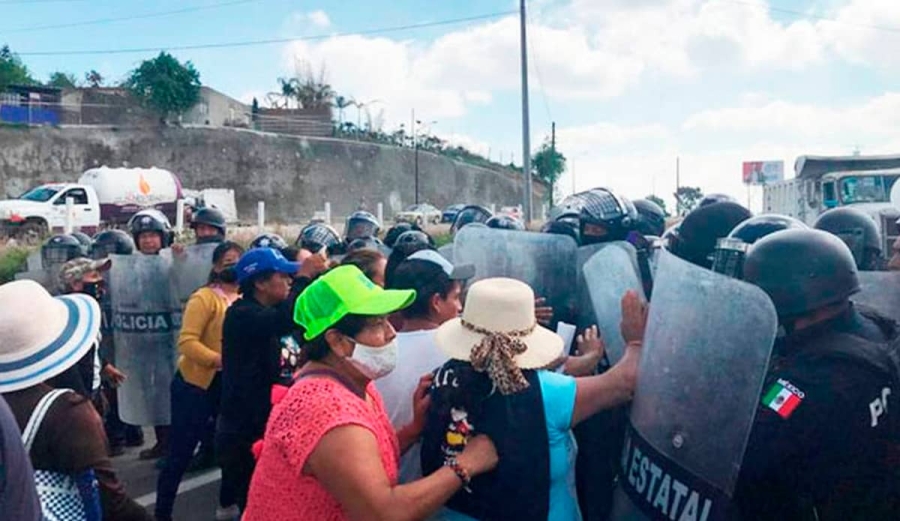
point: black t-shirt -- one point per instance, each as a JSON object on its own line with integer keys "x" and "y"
{"x": 825, "y": 441}
{"x": 18, "y": 498}
{"x": 251, "y": 363}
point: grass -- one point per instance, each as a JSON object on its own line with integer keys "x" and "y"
{"x": 13, "y": 259}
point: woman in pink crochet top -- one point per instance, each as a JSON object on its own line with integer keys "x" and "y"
{"x": 330, "y": 452}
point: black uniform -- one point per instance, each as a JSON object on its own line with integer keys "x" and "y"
{"x": 825, "y": 441}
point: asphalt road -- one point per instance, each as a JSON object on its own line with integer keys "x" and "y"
{"x": 197, "y": 497}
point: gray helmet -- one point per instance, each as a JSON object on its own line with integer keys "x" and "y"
{"x": 858, "y": 231}
{"x": 802, "y": 270}
{"x": 651, "y": 218}
{"x": 269, "y": 240}
{"x": 505, "y": 222}
{"x": 210, "y": 216}
{"x": 84, "y": 239}
{"x": 604, "y": 208}
{"x": 60, "y": 249}
{"x": 472, "y": 214}
{"x": 413, "y": 241}
{"x": 317, "y": 236}
{"x": 395, "y": 231}
{"x": 728, "y": 258}
{"x": 151, "y": 220}
{"x": 110, "y": 242}
{"x": 361, "y": 225}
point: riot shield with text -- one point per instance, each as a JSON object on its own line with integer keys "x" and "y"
{"x": 543, "y": 261}
{"x": 606, "y": 277}
{"x": 705, "y": 356}
{"x": 880, "y": 290}
{"x": 144, "y": 336}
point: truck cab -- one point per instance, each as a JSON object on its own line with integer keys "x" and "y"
{"x": 43, "y": 209}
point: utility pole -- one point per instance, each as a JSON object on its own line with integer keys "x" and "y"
{"x": 553, "y": 155}
{"x": 526, "y": 129}
{"x": 415, "y": 152}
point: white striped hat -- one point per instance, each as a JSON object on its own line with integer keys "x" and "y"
{"x": 41, "y": 336}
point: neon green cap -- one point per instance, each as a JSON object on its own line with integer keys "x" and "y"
{"x": 343, "y": 291}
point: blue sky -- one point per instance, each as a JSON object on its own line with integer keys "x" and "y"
{"x": 632, "y": 84}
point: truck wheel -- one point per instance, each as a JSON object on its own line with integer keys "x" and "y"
{"x": 33, "y": 232}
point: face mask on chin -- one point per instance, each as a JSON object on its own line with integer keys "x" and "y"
{"x": 374, "y": 362}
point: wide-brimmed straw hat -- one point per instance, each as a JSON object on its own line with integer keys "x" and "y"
{"x": 498, "y": 333}
{"x": 42, "y": 336}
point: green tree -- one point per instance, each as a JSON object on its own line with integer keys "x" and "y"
{"x": 165, "y": 85}
{"x": 548, "y": 165}
{"x": 341, "y": 103}
{"x": 63, "y": 80}
{"x": 659, "y": 201}
{"x": 12, "y": 70}
{"x": 93, "y": 79}
{"x": 687, "y": 198}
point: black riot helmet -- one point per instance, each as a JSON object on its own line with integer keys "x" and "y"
{"x": 84, "y": 239}
{"x": 802, "y": 270}
{"x": 562, "y": 226}
{"x": 472, "y": 214}
{"x": 395, "y": 231}
{"x": 858, "y": 231}
{"x": 211, "y": 217}
{"x": 151, "y": 220}
{"x": 317, "y": 236}
{"x": 365, "y": 243}
{"x": 269, "y": 240}
{"x": 700, "y": 231}
{"x": 361, "y": 225}
{"x": 110, "y": 242}
{"x": 605, "y": 216}
{"x": 728, "y": 257}
{"x": 60, "y": 249}
{"x": 651, "y": 218}
{"x": 571, "y": 205}
{"x": 715, "y": 198}
{"x": 505, "y": 222}
{"x": 413, "y": 241}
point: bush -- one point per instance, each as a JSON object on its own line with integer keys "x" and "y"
{"x": 12, "y": 260}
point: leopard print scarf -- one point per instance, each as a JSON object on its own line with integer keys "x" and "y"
{"x": 495, "y": 355}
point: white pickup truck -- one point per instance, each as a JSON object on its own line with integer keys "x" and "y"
{"x": 102, "y": 196}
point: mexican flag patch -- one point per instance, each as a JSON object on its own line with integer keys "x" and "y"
{"x": 783, "y": 397}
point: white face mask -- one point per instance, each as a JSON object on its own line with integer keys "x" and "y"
{"x": 374, "y": 362}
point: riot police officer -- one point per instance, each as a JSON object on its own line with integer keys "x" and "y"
{"x": 361, "y": 225}
{"x": 395, "y": 231}
{"x": 715, "y": 198}
{"x": 605, "y": 216}
{"x": 858, "y": 231}
{"x": 318, "y": 236}
{"x": 269, "y": 240}
{"x": 699, "y": 233}
{"x": 151, "y": 231}
{"x": 110, "y": 242}
{"x": 60, "y": 249}
{"x": 209, "y": 225}
{"x": 505, "y": 222}
{"x": 728, "y": 257}
{"x": 472, "y": 214}
{"x": 651, "y": 218}
{"x": 825, "y": 441}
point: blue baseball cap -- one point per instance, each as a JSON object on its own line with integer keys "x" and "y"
{"x": 259, "y": 260}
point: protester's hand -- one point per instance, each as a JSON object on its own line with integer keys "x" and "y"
{"x": 178, "y": 249}
{"x": 115, "y": 376}
{"x": 590, "y": 343}
{"x": 313, "y": 266}
{"x": 542, "y": 313}
{"x": 634, "y": 317}
{"x": 218, "y": 362}
{"x": 421, "y": 402}
{"x": 479, "y": 456}
{"x": 628, "y": 365}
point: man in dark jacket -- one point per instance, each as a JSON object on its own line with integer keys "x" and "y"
{"x": 251, "y": 358}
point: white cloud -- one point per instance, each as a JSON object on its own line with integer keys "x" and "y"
{"x": 865, "y": 31}
{"x": 319, "y": 18}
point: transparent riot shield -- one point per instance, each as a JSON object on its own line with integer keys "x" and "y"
{"x": 705, "y": 355}
{"x": 190, "y": 272}
{"x": 543, "y": 261}
{"x": 143, "y": 331}
{"x": 606, "y": 277}
{"x": 49, "y": 281}
{"x": 880, "y": 290}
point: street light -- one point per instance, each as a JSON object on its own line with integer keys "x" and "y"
{"x": 415, "y": 126}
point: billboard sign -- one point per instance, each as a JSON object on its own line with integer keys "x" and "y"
{"x": 763, "y": 172}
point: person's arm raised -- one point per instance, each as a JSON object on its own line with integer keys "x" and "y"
{"x": 360, "y": 483}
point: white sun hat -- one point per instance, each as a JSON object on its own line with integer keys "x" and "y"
{"x": 42, "y": 336}
{"x": 500, "y": 311}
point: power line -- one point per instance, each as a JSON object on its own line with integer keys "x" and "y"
{"x": 800, "y": 14}
{"x": 271, "y": 41}
{"x": 127, "y": 18}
